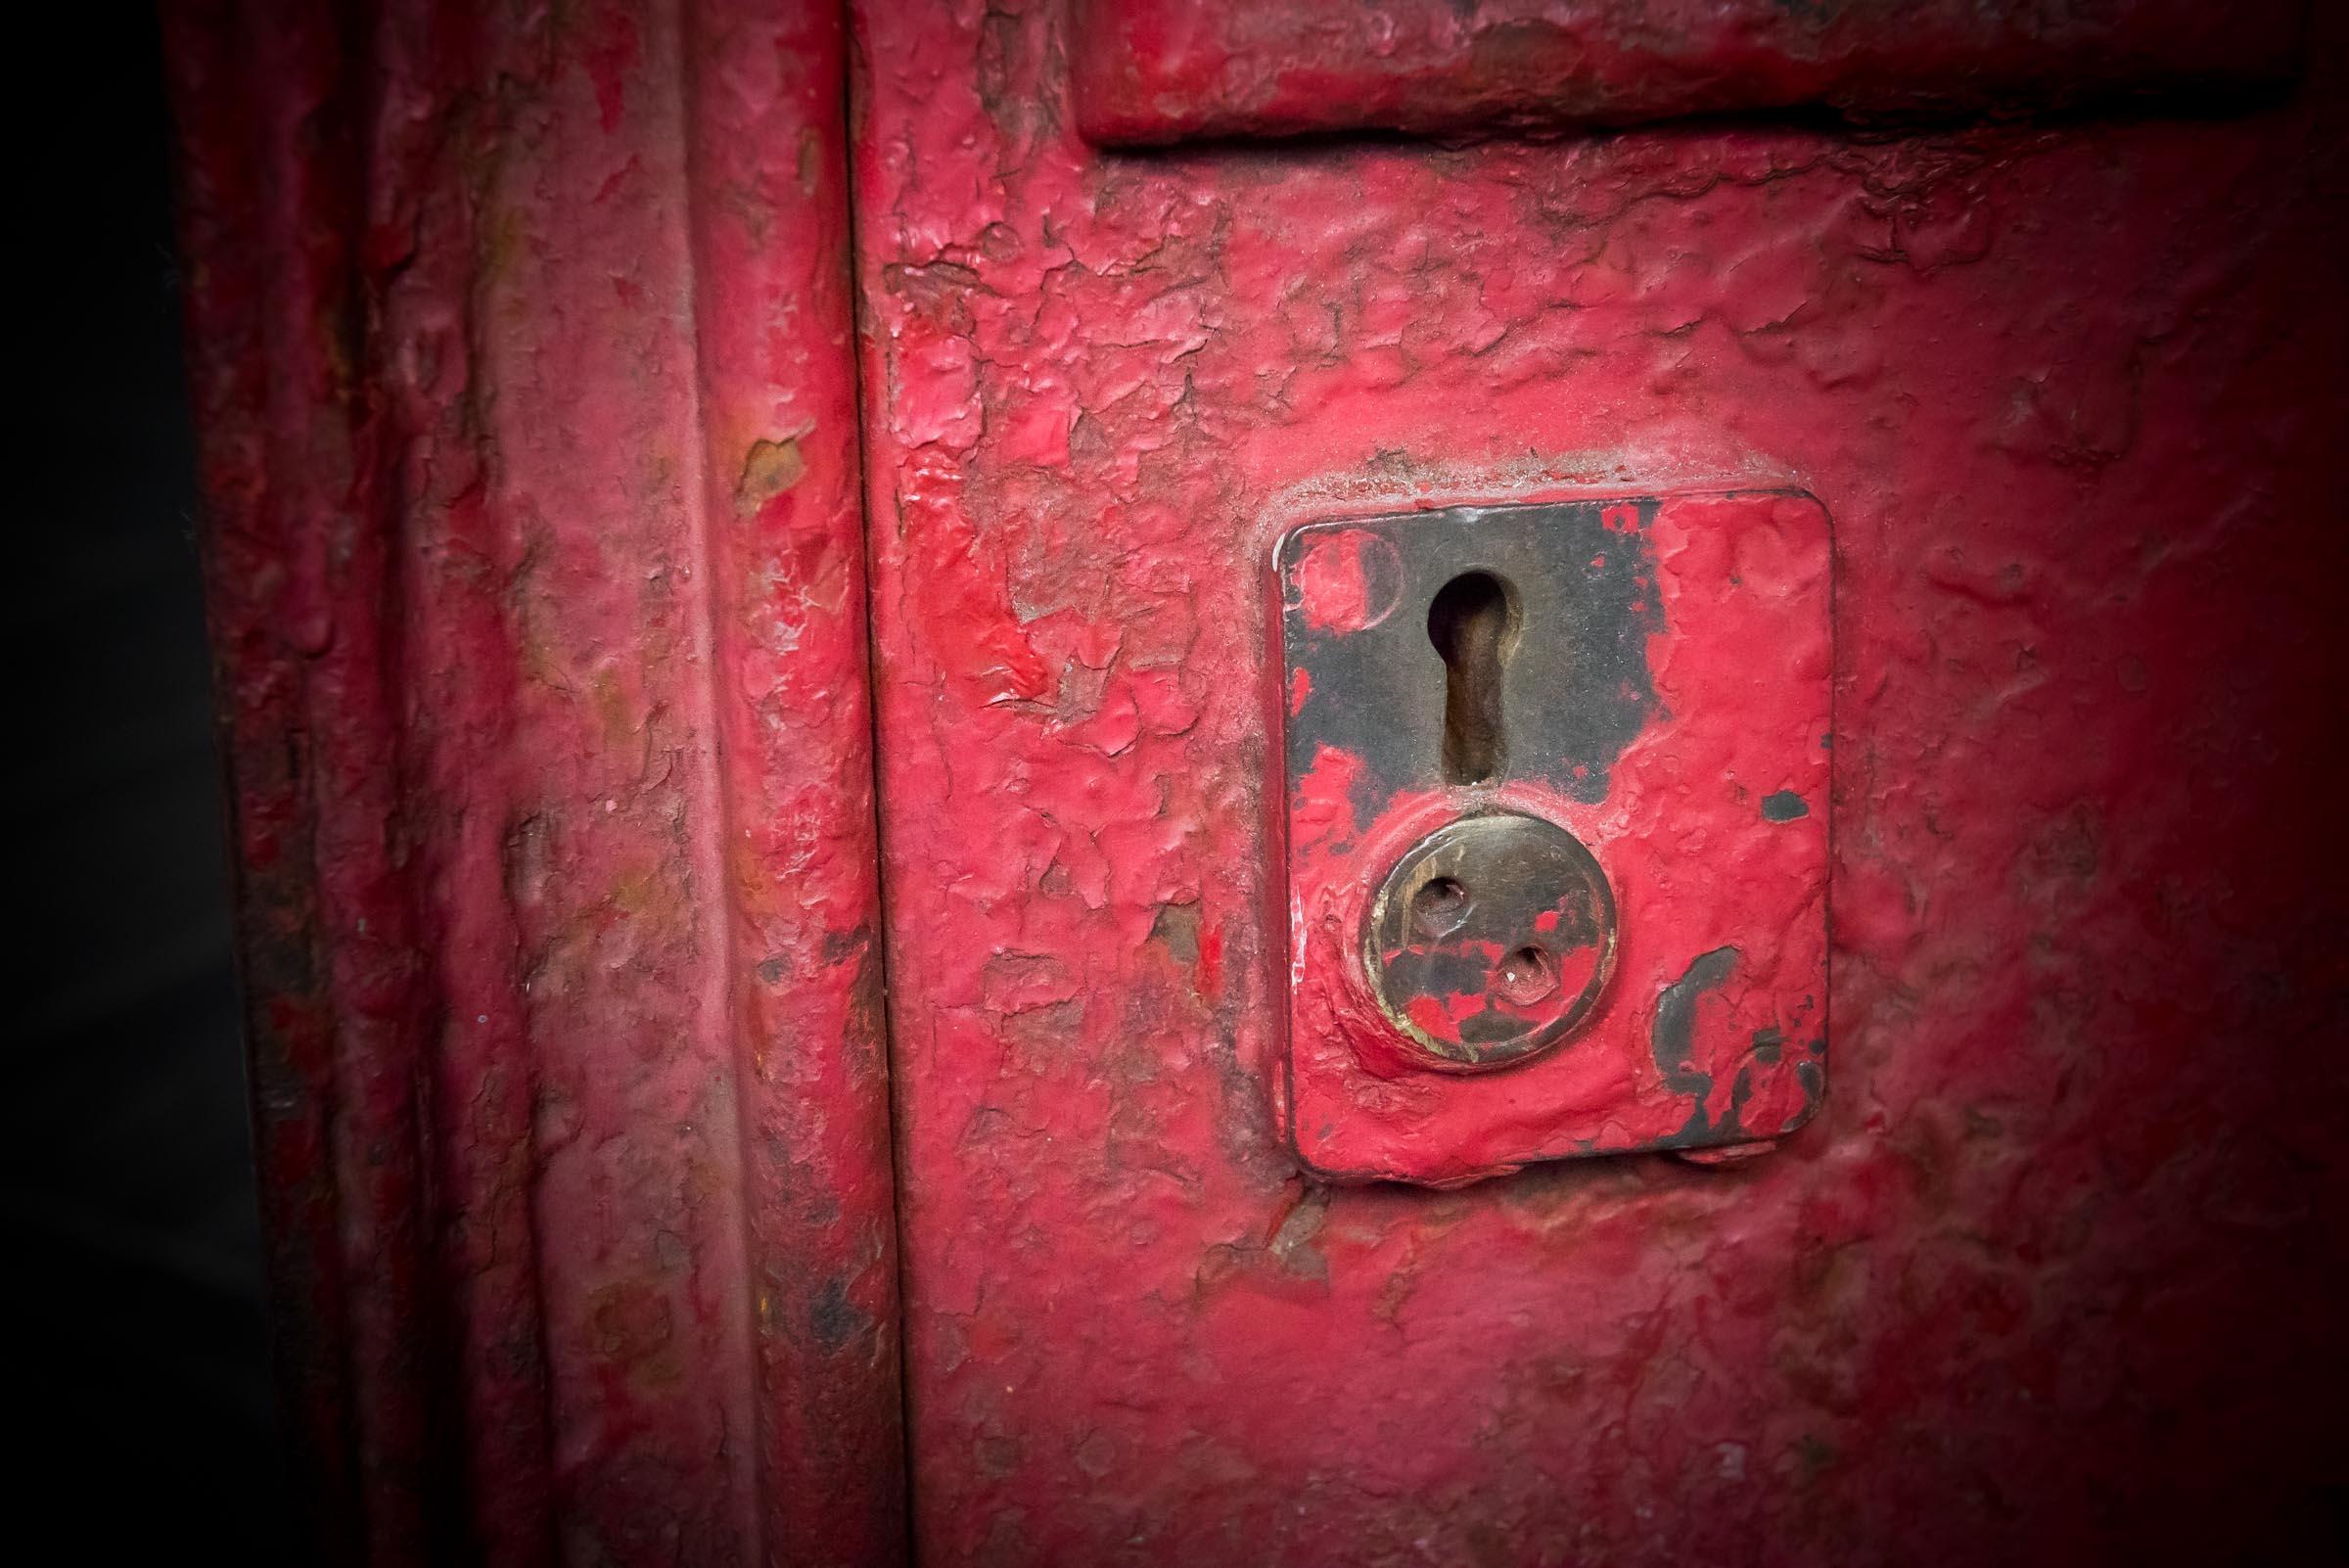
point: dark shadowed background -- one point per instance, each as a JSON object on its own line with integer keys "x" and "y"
{"x": 134, "y": 1252}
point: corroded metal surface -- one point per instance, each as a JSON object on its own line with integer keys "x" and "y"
{"x": 2034, "y": 1284}
{"x": 1153, "y": 72}
{"x": 521, "y": 349}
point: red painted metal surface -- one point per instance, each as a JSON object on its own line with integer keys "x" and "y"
{"x": 1146, "y": 71}
{"x": 521, "y": 347}
{"x": 1710, "y": 1029}
{"x": 2040, "y": 1281}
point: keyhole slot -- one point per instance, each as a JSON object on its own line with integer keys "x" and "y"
{"x": 1473, "y": 624}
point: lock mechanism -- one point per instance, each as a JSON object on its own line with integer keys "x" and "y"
{"x": 1556, "y": 824}
{"x": 1491, "y": 939}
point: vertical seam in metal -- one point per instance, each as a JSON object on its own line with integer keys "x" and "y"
{"x": 851, "y": 56}
{"x": 287, "y": 167}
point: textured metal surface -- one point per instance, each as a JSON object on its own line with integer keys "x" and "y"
{"x": 519, "y": 349}
{"x": 521, "y": 352}
{"x": 2035, "y": 1286}
{"x": 1149, "y": 71}
{"x": 1657, "y": 685}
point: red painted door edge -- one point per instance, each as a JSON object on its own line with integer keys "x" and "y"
{"x": 1148, "y": 73}
{"x": 521, "y": 351}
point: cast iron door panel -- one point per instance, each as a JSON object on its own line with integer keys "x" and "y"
{"x": 1354, "y": 623}
{"x": 2055, "y": 384}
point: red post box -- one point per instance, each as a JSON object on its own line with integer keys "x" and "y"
{"x": 1171, "y": 782}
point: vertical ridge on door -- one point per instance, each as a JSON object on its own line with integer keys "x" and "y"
{"x": 767, "y": 91}
{"x": 520, "y": 356}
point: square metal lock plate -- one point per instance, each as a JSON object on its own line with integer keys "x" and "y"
{"x": 1556, "y": 816}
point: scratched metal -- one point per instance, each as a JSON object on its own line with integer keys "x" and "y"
{"x": 522, "y": 351}
{"x": 2038, "y": 1282}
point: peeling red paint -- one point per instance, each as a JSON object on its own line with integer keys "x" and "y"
{"x": 521, "y": 349}
{"x": 1738, "y": 662}
{"x": 1348, "y": 580}
{"x": 2059, "y": 386}
{"x": 551, "y": 771}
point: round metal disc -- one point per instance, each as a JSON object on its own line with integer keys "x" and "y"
{"x": 1492, "y": 939}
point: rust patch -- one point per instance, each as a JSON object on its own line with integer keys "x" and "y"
{"x": 769, "y": 468}
{"x": 1176, "y": 928}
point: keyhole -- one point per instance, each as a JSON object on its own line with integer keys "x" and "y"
{"x": 1470, "y": 622}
